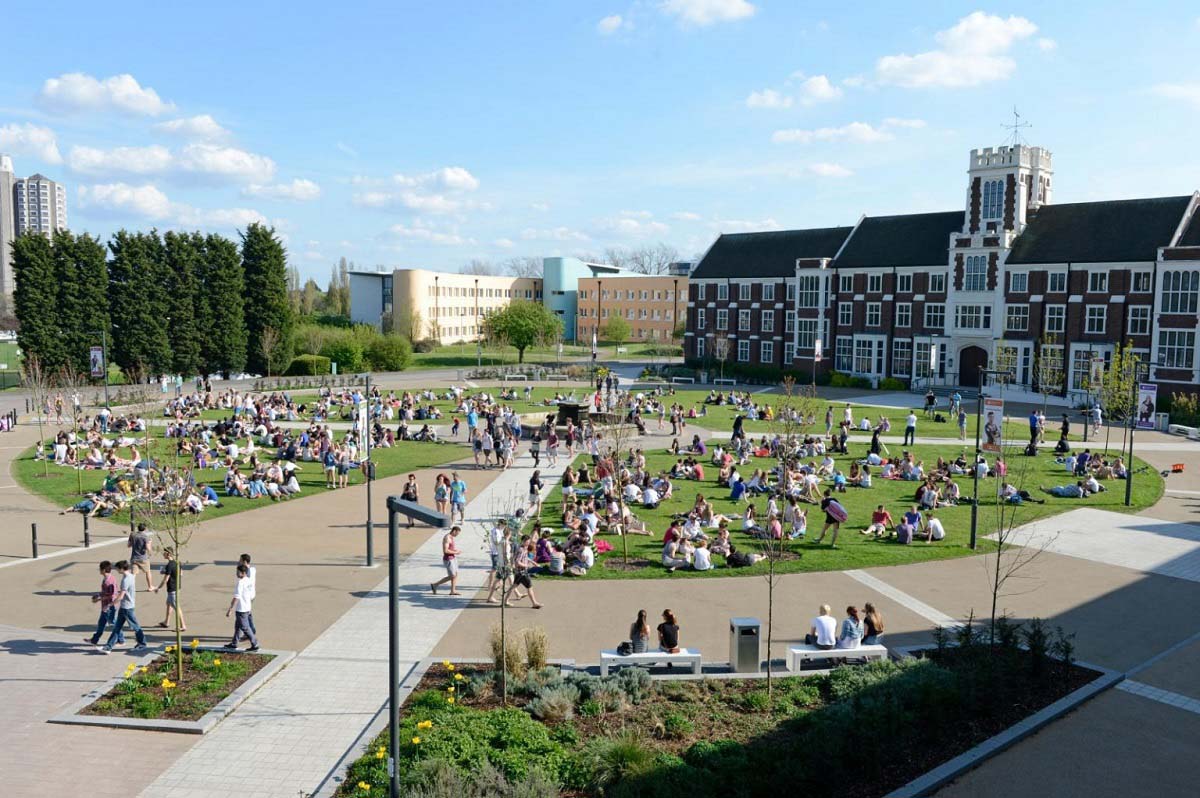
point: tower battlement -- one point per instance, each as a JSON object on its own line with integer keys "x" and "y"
{"x": 1012, "y": 155}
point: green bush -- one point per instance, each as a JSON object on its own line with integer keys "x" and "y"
{"x": 345, "y": 350}
{"x": 756, "y": 701}
{"x": 608, "y": 760}
{"x": 892, "y": 384}
{"x": 1184, "y": 408}
{"x": 590, "y": 708}
{"x": 677, "y": 726}
{"x": 554, "y": 704}
{"x": 307, "y": 366}
{"x": 388, "y": 353}
{"x": 610, "y": 697}
{"x": 424, "y": 345}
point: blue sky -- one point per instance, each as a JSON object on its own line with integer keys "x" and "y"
{"x": 429, "y": 134}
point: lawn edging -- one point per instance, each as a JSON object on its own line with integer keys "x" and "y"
{"x": 943, "y": 774}
{"x": 71, "y": 715}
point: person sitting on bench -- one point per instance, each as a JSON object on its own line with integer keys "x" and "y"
{"x": 823, "y": 633}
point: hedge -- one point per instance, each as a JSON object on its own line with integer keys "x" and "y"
{"x": 307, "y": 366}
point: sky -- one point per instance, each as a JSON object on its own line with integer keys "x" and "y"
{"x": 426, "y": 135}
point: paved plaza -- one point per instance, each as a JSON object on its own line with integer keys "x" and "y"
{"x": 1124, "y": 584}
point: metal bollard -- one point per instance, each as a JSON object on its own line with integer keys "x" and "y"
{"x": 35, "y": 551}
{"x": 87, "y": 535}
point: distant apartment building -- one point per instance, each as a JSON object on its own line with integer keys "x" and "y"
{"x": 652, "y": 305}
{"x": 27, "y": 204}
{"x": 446, "y": 306}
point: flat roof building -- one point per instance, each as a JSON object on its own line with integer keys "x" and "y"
{"x": 652, "y": 305}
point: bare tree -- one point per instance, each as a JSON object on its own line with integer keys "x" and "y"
{"x": 73, "y": 381}
{"x": 774, "y": 551}
{"x": 268, "y": 344}
{"x": 40, "y": 383}
{"x": 503, "y": 509}
{"x": 162, "y": 507}
{"x": 618, "y": 437}
{"x": 721, "y": 352}
{"x": 410, "y": 321}
{"x": 479, "y": 267}
{"x": 524, "y": 266}
{"x": 1048, "y": 368}
{"x": 648, "y": 259}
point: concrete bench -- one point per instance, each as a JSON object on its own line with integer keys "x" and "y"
{"x": 724, "y": 381}
{"x": 522, "y": 377}
{"x": 677, "y": 380}
{"x": 798, "y": 655}
{"x": 555, "y": 375}
{"x": 1179, "y": 429}
{"x": 686, "y": 656}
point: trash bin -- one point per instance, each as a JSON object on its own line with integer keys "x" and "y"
{"x": 744, "y": 645}
{"x": 1162, "y": 421}
{"x": 371, "y": 470}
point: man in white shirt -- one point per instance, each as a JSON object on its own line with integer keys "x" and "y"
{"x": 125, "y": 600}
{"x": 910, "y": 429}
{"x": 650, "y": 497}
{"x": 701, "y": 559}
{"x": 933, "y": 528}
{"x": 242, "y": 604}
{"x": 823, "y": 633}
{"x": 252, "y": 572}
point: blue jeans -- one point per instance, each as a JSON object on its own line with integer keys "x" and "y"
{"x": 124, "y": 616}
{"x": 106, "y": 617}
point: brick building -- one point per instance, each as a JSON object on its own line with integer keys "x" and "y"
{"x": 1009, "y": 278}
{"x": 651, "y": 304}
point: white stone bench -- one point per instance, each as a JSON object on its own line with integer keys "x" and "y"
{"x": 555, "y": 375}
{"x": 678, "y": 380}
{"x": 686, "y": 656}
{"x": 522, "y": 377}
{"x": 724, "y": 381}
{"x": 1179, "y": 429}
{"x": 798, "y": 655}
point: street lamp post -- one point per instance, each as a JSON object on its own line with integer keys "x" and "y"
{"x": 1140, "y": 367}
{"x": 393, "y": 649}
{"x": 370, "y": 473}
{"x": 984, "y": 372}
{"x": 104, "y": 355}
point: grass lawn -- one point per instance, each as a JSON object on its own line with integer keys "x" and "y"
{"x": 465, "y": 355}
{"x": 61, "y": 487}
{"x": 855, "y": 550}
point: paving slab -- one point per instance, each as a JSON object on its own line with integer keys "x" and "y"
{"x": 1176, "y": 672}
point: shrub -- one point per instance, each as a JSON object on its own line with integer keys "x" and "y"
{"x": 684, "y": 692}
{"x": 389, "y": 353}
{"x": 678, "y": 726}
{"x": 590, "y": 708}
{"x": 535, "y": 648}
{"x": 608, "y": 760}
{"x": 610, "y": 697}
{"x": 540, "y": 679}
{"x": 803, "y": 695}
{"x": 756, "y": 701}
{"x": 636, "y": 683}
{"x": 892, "y": 384}
{"x": 506, "y": 652}
{"x": 507, "y": 738}
{"x": 424, "y": 345}
{"x": 307, "y": 366}
{"x": 554, "y": 704}
{"x": 345, "y": 350}
{"x": 1184, "y": 408}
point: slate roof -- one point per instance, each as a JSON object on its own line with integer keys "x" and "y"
{"x": 1100, "y": 232}
{"x": 1191, "y": 236}
{"x": 771, "y": 254}
{"x": 915, "y": 239}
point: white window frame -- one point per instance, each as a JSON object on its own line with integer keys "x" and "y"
{"x": 845, "y": 283}
{"x": 722, "y": 318}
{"x": 1101, "y": 316}
{"x": 1018, "y": 282}
{"x": 767, "y": 322}
{"x": 902, "y": 352}
{"x": 1097, "y": 282}
{"x": 904, "y": 314}
{"x": 766, "y": 351}
{"x": 845, "y": 314}
{"x": 1056, "y": 318}
{"x": 743, "y": 292}
{"x": 743, "y": 321}
{"x": 743, "y": 351}
{"x": 975, "y": 270}
{"x": 935, "y": 309}
{"x": 937, "y": 283}
{"x": 789, "y": 321}
{"x": 904, "y": 283}
{"x": 700, "y": 290}
{"x": 810, "y": 291}
{"x": 1179, "y": 292}
{"x": 1056, "y": 277}
{"x": 1138, "y": 322}
{"x": 699, "y": 346}
{"x": 1140, "y": 282}
{"x": 806, "y": 333}
{"x": 973, "y": 317}
{"x": 722, "y": 292}
{"x": 1016, "y": 318}
{"x": 874, "y": 283}
{"x": 700, "y": 318}
{"x": 768, "y": 292}
{"x": 789, "y": 353}
{"x": 874, "y": 314}
{"x": 1177, "y": 348}
{"x": 844, "y": 354}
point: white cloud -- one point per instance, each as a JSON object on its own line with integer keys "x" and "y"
{"x": 453, "y": 178}
{"x": 859, "y": 132}
{"x": 707, "y": 12}
{"x": 226, "y": 162}
{"x": 768, "y": 98}
{"x": 854, "y": 81}
{"x": 504, "y": 243}
{"x": 973, "y": 52}
{"x": 76, "y": 91}
{"x": 440, "y": 191}
{"x": 686, "y": 216}
{"x": 829, "y": 170}
{"x": 1047, "y": 45}
{"x": 1184, "y": 92}
{"x": 299, "y": 190}
{"x": 418, "y": 231}
{"x": 553, "y": 234}
{"x": 31, "y": 140}
{"x": 152, "y": 160}
{"x": 635, "y": 224}
{"x": 145, "y": 201}
{"x": 202, "y": 126}
{"x": 818, "y": 89}
{"x": 911, "y": 124}
{"x": 220, "y": 217}
{"x": 610, "y": 24}
{"x": 745, "y": 225}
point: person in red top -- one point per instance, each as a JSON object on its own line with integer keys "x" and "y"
{"x": 450, "y": 554}
{"x": 108, "y": 608}
{"x": 881, "y": 519}
{"x": 672, "y": 532}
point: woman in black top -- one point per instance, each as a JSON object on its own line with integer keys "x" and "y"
{"x": 535, "y": 493}
{"x": 872, "y": 624}
{"x": 668, "y": 633}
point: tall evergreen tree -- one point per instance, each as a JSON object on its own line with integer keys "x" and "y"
{"x": 183, "y": 289}
{"x": 137, "y": 299}
{"x": 264, "y": 264}
{"x": 91, "y": 290}
{"x": 222, "y": 309}
{"x": 69, "y": 310}
{"x": 35, "y": 301}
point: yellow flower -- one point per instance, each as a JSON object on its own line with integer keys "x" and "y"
{"x": 380, "y": 754}
{"x": 450, "y": 689}
{"x": 446, "y": 664}
{"x": 458, "y": 677}
{"x": 195, "y": 642}
{"x": 362, "y": 785}
{"x": 416, "y": 741}
{"x": 217, "y": 661}
{"x": 425, "y": 724}
{"x": 169, "y": 649}
{"x": 450, "y": 700}
{"x": 167, "y": 684}
{"x": 143, "y": 669}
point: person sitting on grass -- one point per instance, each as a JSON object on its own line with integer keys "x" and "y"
{"x": 881, "y": 520}
{"x": 1076, "y": 491}
{"x": 737, "y": 489}
{"x": 796, "y": 518}
{"x": 905, "y": 531}
{"x": 672, "y": 558}
{"x": 701, "y": 559}
{"x": 749, "y": 519}
{"x": 839, "y": 482}
{"x": 933, "y": 528}
{"x": 1093, "y": 485}
{"x": 951, "y": 493}
{"x": 721, "y": 545}
{"x": 864, "y": 478}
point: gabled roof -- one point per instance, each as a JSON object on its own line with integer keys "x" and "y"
{"x": 1191, "y": 236}
{"x": 915, "y": 239}
{"x": 770, "y": 254}
{"x": 1099, "y": 232}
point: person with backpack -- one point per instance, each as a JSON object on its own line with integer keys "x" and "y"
{"x": 835, "y": 514}
{"x": 141, "y": 547}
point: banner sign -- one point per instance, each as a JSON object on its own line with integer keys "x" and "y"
{"x": 993, "y": 424}
{"x": 817, "y": 350}
{"x": 1146, "y": 401}
{"x": 97, "y": 361}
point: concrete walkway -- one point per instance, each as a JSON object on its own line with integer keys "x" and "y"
{"x": 285, "y": 739}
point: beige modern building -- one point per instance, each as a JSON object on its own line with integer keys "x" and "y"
{"x": 651, "y": 305}
{"x": 446, "y": 306}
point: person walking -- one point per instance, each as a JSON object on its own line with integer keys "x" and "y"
{"x": 252, "y": 572}
{"x": 521, "y": 567}
{"x": 458, "y": 498}
{"x": 450, "y": 552}
{"x": 170, "y": 578}
{"x": 108, "y": 608}
{"x": 910, "y": 429}
{"x": 241, "y": 604}
{"x": 962, "y": 423}
{"x": 835, "y": 514}
{"x": 535, "y": 494}
{"x": 141, "y": 548}
{"x": 126, "y": 600}
{"x": 535, "y": 448}
{"x": 411, "y": 493}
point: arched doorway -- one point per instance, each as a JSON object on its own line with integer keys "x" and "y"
{"x": 970, "y": 360}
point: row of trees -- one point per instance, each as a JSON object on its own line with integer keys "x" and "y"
{"x": 648, "y": 259}
{"x": 176, "y": 303}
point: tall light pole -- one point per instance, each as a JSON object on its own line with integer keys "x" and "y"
{"x": 393, "y": 649}
{"x": 675, "y": 307}
{"x": 478, "y": 330}
{"x": 370, "y": 473}
{"x": 104, "y": 355}
{"x": 1140, "y": 367}
{"x": 984, "y": 372}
